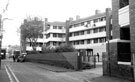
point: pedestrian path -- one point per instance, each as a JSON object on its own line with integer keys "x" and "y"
{"x": 52, "y": 68}
{"x": 3, "y": 74}
{"x": 89, "y": 75}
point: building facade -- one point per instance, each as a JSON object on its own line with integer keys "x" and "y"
{"x": 89, "y": 33}
{"x": 121, "y": 47}
{"x": 55, "y": 34}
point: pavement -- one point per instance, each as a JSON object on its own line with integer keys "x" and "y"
{"x": 3, "y": 74}
{"x": 89, "y": 75}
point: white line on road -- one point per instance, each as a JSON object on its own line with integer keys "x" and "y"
{"x": 10, "y": 78}
{"x": 13, "y": 75}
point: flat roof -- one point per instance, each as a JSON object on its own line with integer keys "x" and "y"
{"x": 88, "y": 18}
{"x": 56, "y": 23}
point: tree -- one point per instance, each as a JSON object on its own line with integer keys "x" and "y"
{"x": 30, "y": 30}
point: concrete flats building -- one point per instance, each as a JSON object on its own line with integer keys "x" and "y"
{"x": 87, "y": 34}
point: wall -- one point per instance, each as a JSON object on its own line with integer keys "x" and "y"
{"x": 67, "y": 59}
{"x": 116, "y": 70}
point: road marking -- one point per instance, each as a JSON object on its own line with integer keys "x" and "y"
{"x": 13, "y": 74}
{"x": 10, "y": 78}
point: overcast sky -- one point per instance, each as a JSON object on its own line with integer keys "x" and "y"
{"x": 54, "y": 10}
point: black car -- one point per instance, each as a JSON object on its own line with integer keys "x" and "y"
{"x": 21, "y": 57}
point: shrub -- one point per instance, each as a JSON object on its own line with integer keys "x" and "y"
{"x": 62, "y": 48}
{"x": 47, "y": 50}
{"x": 65, "y": 48}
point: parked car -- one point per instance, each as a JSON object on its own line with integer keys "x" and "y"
{"x": 21, "y": 57}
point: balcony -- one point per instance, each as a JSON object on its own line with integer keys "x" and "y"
{"x": 88, "y": 36}
{"x": 55, "y": 39}
{"x": 79, "y": 28}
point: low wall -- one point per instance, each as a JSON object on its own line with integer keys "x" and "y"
{"x": 122, "y": 71}
{"x": 66, "y": 59}
{"x": 117, "y": 70}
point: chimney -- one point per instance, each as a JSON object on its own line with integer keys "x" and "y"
{"x": 70, "y": 19}
{"x": 77, "y": 17}
{"x": 97, "y": 12}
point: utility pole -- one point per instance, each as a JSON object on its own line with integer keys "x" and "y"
{"x": 0, "y": 38}
{"x": 1, "y": 28}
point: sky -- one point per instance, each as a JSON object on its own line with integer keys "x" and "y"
{"x": 54, "y": 10}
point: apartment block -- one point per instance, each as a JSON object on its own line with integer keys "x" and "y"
{"x": 121, "y": 48}
{"x": 55, "y": 34}
{"x": 89, "y": 33}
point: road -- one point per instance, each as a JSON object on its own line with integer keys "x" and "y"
{"x": 31, "y": 72}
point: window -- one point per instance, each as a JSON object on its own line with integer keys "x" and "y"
{"x": 59, "y": 43}
{"x": 60, "y": 35}
{"x": 101, "y": 40}
{"x": 96, "y": 40}
{"x": 82, "y": 33}
{"x": 88, "y": 22}
{"x": 82, "y": 42}
{"x": 54, "y": 35}
{"x": 59, "y": 27}
{"x": 95, "y": 30}
{"x": 101, "y": 29}
{"x": 76, "y": 42}
{"x": 48, "y": 35}
{"x": 101, "y": 19}
{"x": 70, "y": 34}
{"x": 54, "y": 43}
{"x": 71, "y": 26}
{"x": 54, "y": 27}
{"x": 47, "y": 27}
{"x": 123, "y": 3}
{"x": 89, "y": 41}
{"x": 73, "y": 42}
{"x": 76, "y": 25}
{"x": 95, "y": 20}
{"x": 89, "y": 31}
{"x": 82, "y": 23}
{"x": 76, "y": 33}
{"x": 125, "y": 33}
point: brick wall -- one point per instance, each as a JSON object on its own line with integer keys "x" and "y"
{"x": 67, "y": 59}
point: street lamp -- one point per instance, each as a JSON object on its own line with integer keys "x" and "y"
{"x": 1, "y": 27}
{"x": 1, "y": 33}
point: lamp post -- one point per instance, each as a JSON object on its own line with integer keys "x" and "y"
{"x": 0, "y": 38}
{"x": 1, "y": 34}
{"x": 1, "y": 27}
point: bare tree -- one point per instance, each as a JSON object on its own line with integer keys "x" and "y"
{"x": 31, "y": 29}
{"x": 6, "y": 7}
